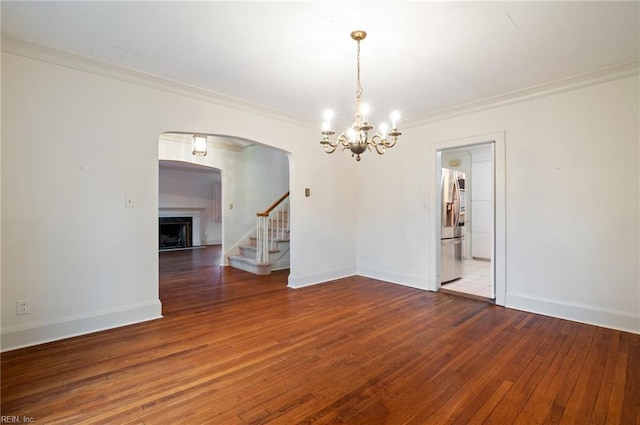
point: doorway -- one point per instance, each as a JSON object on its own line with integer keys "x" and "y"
{"x": 249, "y": 176}
{"x": 495, "y": 255}
{"x": 473, "y": 200}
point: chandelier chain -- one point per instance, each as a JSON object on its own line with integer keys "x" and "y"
{"x": 359, "y": 85}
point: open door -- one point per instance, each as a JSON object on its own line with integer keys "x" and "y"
{"x": 483, "y": 247}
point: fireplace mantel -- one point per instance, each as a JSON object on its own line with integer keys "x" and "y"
{"x": 179, "y": 210}
{"x": 186, "y": 211}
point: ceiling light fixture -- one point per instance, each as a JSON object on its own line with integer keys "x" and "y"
{"x": 356, "y": 138}
{"x": 199, "y": 144}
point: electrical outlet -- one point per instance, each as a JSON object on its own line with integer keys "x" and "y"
{"x": 23, "y": 307}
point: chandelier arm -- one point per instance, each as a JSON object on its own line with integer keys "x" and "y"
{"x": 329, "y": 147}
{"x": 343, "y": 141}
{"x": 380, "y": 143}
{"x": 364, "y": 141}
{"x": 394, "y": 139}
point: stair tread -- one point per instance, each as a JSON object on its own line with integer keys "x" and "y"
{"x": 247, "y": 260}
{"x": 271, "y": 239}
{"x": 253, "y": 248}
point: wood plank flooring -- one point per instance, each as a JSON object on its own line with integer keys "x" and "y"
{"x": 234, "y": 348}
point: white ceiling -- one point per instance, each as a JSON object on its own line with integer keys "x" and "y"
{"x": 297, "y": 57}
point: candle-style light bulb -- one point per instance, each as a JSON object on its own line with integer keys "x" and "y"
{"x": 351, "y": 133}
{"x": 383, "y": 130}
{"x": 364, "y": 111}
{"x": 395, "y": 116}
{"x": 328, "y": 115}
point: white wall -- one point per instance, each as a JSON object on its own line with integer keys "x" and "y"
{"x": 572, "y": 197}
{"x": 75, "y": 143}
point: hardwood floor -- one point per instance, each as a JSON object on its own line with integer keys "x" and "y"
{"x": 234, "y": 348}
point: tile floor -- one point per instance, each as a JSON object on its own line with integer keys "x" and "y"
{"x": 476, "y": 279}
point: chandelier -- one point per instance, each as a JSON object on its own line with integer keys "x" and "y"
{"x": 356, "y": 138}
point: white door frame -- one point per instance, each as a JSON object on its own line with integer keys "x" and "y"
{"x": 499, "y": 215}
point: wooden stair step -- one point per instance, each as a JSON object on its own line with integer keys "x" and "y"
{"x": 249, "y": 264}
{"x": 253, "y": 248}
{"x": 253, "y": 239}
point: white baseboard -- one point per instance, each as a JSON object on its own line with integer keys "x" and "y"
{"x": 613, "y": 319}
{"x": 15, "y": 337}
{"x": 400, "y": 279}
{"x": 314, "y": 279}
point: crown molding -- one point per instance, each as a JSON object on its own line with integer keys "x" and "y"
{"x": 93, "y": 66}
{"x": 81, "y": 63}
{"x": 603, "y": 75}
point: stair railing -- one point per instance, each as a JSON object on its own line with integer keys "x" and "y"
{"x": 272, "y": 225}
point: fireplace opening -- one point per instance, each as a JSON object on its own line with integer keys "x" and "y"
{"x": 175, "y": 232}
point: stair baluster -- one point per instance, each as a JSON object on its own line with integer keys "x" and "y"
{"x": 272, "y": 225}
{"x": 262, "y": 233}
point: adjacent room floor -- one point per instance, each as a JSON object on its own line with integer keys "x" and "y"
{"x": 476, "y": 281}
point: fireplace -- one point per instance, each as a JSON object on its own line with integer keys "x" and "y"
{"x": 175, "y": 232}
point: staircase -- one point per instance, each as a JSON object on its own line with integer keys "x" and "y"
{"x": 268, "y": 248}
